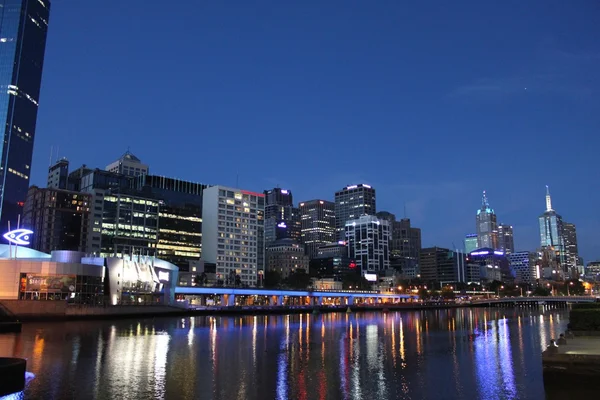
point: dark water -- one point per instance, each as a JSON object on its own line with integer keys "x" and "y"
{"x": 446, "y": 354}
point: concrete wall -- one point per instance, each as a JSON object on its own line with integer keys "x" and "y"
{"x": 33, "y": 308}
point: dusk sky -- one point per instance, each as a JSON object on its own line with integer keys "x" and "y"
{"x": 430, "y": 102}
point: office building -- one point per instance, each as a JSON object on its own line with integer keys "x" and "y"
{"x": 441, "y": 266}
{"x": 23, "y": 26}
{"x": 487, "y": 226}
{"x": 405, "y": 245}
{"x": 506, "y": 242}
{"x": 233, "y": 232}
{"x": 368, "y": 240}
{"x": 58, "y": 218}
{"x": 471, "y": 243}
{"x": 523, "y": 265}
{"x": 282, "y": 219}
{"x": 180, "y": 217}
{"x": 332, "y": 250}
{"x": 317, "y": 218}
{"x": 351, "y": 203}
{"x": 128, "y": 165}
{"x": 551, "y": 231}
{"x": 592, "y": 271}
{"x": 58, "y": 175}
{"x": 570, "y": 247}
{"x": 487, "y": 265}
{"x": 286, "y": 256}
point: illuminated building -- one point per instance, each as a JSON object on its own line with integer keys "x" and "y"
{"x": 317, "y": 218}
{"x": 128, "y": 165}
{"x": 24, "y": 26}
{"x": 58, "y": 175}
{"x": 59, "y": 219}
{"x": 233, "y": 232}
{"x": 332, "y": 250}
{"x": 570, "y": 247}
{"x": 441, "y": 266}
{"x": 523, "y": 265}
{"x": 405, "y": 245}
{"x": 368, "y": 240}
{"x": 351, "y": 203}
{"x": 471, "y": 243}
{"x": 282, "y": 219}
{"x": 332, "y": 262}
{"x": 286, "y": 256}
{"x": 180, "y": 217}
{"x": 506, "y": 242}
{"x": 487, "y": 226}
{"x": 487, "y": 265}
{"x": 551, "y": 232}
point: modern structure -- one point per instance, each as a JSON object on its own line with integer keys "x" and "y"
{"x": 571, "y": 248}
{"x": 441, "y": 266}
{"x": 128, "y": 165}
{"x": 487, "y": 265}
{"x": 368, "y": 240}
{"x": 471, "y": 243}
{"x": 523, "y": 265}
{"x": 282, "y": 219}
{"x": 352, "y": 202}
{"x": 592, "y": 271}
{"x": 59, "y": 219}
{"x": 317, "y": 219}
{"x": 487, "y": 225}
{"x": 233, "y": 232}
{"x": 58, "y": 175}
{"x": 23, "y": 30}
{"x": 332, "y": 250}
{"x": 180, "y": 217}
{"x": 551, "y": 231}
{"x": 506, "y": 242}
{"x": 286, "y": 256}
{"x": 405, "y": 245}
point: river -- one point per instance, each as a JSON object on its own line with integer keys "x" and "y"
{"x": 436, "y": 354}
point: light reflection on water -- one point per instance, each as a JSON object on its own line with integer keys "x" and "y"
{"x": 444, "y": 354}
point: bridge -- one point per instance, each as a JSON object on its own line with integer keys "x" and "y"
{"x": 533, "y": 300}
{"x": 203, "y": 296}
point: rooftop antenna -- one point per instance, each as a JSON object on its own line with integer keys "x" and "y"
{"x": 51, "y": 152}
{"x": 237, "y": 180}
{"x": 405, "y": 210}
{"x": 57, "y": 150}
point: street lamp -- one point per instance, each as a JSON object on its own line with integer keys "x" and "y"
{"x": 501, "y": 287}
{"x": 568, "y": 291}
{"x": 521, "y": 290}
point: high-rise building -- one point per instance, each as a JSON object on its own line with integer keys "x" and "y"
{"x": 180, "y": 217}
{"x": 317, "y": 218}
{"x": 58, "y": 218}
{"x": 487, "y": 265}
{"x": 282, "y": 219}
{"x": 351, "y": 203}
{"x": 487, "y": 226}
{"x": 506, "y": 242}
{"x": 570, "y": 246}
{"x": 233, "y": 232}
{"x": 128, "y": 165}
{"x": 405, "y": 245}
{"x": 23, "y": 30}
{"x": 368, "y": 240}
{"x": 286, "y": 256}
{"x": 441, "y": 266}
{"x": 58, "y": 175}
{"x": 551, "y": 231}
{"x": 471, "y": 243}
{"x": 523, "y": 265}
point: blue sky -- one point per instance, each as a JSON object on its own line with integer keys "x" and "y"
{"x": 431, "y": 102}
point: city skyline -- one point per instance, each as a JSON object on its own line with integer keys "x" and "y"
{"x": 319, "y": 77}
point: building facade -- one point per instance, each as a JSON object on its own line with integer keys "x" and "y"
{"x": 233, "y": 232}
{"x": 571, "y": 248}
{"x": 523, "y": 265}
{"x": 368, "y": 240}
{"x": 487, "y": 225}
{"x": 506, "y": 242}
{"x": 128, "y": 165}
{"x": 282, "y": 219}
{"x": 441, "y": 266}
{"x": 58, "y": 175}
{"x": 286, "y": 256}
{"x": 59, "y": 219}
{"x": 352, "y": 202}
{"x": 551, "y": 231}
{"x": 23, "y": 28}
{"x": 317, "y": 219}
{"x": 471, "y": 243}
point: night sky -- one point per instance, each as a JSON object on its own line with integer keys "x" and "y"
{"x": 431, "y": 103}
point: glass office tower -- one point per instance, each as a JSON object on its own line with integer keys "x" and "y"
{"x": 23, "y": 29}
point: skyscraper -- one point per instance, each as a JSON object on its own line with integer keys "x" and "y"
{"x": 352, "y": 202}
{"x": 58, "y": 175}
{"x": 318, "y": 225}
{"x": 487, "y": 226}
{"x": 405, "y": 244}
{"x": 23, "y": 29}
{"x": 551, "y": 230}
{"x": 506, "y": 241}
{"x": 471, "y": 243}
{"x": 368, "y": 240}
{"x": 282, "y": 219}
{"x": 570, "y": 244}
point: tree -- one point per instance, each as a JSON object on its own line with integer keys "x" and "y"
{"x": 201, "y": 280}
{"x": 272, "y": 279}
{"x": 299, "y": 280}
{"x": 541, "y": 291}
{"x": 424, "y": 294}
{"x": 447, "y": 293}
{"x": 573, "y": 287}
{"x": 495, "y": 285}
{"x": 355, "y": 280}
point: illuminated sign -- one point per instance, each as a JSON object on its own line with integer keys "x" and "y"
{"x": 480, "y": 253}
{"x": 18, "y": 236}
{"x": 367, "y": 186}
{"x": 351, "y": 187}
{"x": 352, "y": 265}
{"x": 281, "y": 225}
{"x": 499, "y": 253}
{"x": 371, "y": 277}
{"x": 341, "y": 242}
{"x": 283, "y": 191}
{"x": 163, "y": 276}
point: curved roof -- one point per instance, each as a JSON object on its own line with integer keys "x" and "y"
{"x": 22, "y": 252}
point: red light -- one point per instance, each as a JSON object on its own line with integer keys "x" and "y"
{"x": 20, "y": 203}
{"x": 352, "y": 265}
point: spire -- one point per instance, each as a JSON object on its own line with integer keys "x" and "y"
{"x": 484, "y": 201}
{"x": 548, "y": 199}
